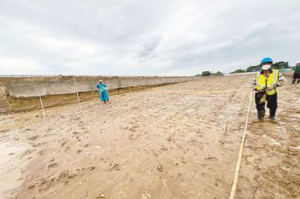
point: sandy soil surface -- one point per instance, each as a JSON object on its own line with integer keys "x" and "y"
{"x": 177, "y": 141}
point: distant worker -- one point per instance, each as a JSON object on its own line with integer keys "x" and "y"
{"x": 266, "y": 82}
{"x": 102, "y": 89}
{"x": 296, "y": 76}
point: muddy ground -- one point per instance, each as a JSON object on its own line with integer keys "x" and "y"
{"x": 177, "y": 141}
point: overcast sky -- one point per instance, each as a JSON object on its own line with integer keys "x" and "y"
{"x": 145, "y": 37}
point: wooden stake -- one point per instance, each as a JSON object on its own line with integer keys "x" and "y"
{"x": 42, "y": 106}
{"x": 78, "y": 98}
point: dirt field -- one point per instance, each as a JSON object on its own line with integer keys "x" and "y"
{"x": 177, "y": 141}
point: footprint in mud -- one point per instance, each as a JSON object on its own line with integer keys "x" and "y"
{"x": 28, "y": 152}
{"x": 63, "y": 144}
{"x": 115, "y": 167}
{"x": 46, "y": 183}
{"x": 160, "y": 168}
{"x": 100, "y": 196}
{"x": 183, "y": 161}
{"x": 78, "y": 138}
{"x": 33, "y": 137}
{"x": 133, "y": 129}
{"x": 217, "y": 182}
{"x": 67, "y": 149}
{"x": 75, "y": 118}
{"x": 170, "y": 139}
{"x": 42, "y": 152}
{"x": 52, "y": 165}
{"x": 211, "y": 158}
{"x": 31, "y": 187}
{"x": 163, "y": 148}
{"x": 38, "y": 144}
{"x": 253, "y": 159}
{"x": 223, "y": 142}
{"x": 65, "y": 176}
{"x": 133, "y": 136}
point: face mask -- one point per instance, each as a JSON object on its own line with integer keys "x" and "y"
{"x": 266, "y": 67}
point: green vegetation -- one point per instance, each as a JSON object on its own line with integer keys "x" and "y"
{"x": 209, "y": 73}
{"x": 206, "y": 73}
{"x": 238, "y": 71}
{"x": 253, "y": 68}
{"x": 277, "y": 65}
{"x": 218, "y": 73}
{"x": 280, "y": 65}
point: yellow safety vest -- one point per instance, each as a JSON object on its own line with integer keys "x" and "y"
{"x": 271, "y": 81}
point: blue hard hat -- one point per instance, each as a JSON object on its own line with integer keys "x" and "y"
{"x": 266, "y": 60}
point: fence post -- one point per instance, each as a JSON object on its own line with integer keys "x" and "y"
{"x": 42, "y": 106}
{"x": 78, "y": 98}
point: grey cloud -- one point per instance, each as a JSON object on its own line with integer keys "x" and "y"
{"x": 145, "y": 37}
{"x": 148, "y": 48}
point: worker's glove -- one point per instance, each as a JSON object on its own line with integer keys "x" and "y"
{"x": 263, "y": 99}
{"x": 260, "y": 90}
{"x": 271, "y": 88}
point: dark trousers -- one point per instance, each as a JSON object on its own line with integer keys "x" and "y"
{"x": 271, "y": 104}
{"x": 295, "y": 77}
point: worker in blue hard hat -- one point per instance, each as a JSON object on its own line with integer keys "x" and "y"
{"x": 265, "y": 84}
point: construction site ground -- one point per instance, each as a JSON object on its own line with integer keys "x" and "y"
{"x": 177, "y": 141}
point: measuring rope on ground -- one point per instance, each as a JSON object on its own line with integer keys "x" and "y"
{"x": 238, "y": 164}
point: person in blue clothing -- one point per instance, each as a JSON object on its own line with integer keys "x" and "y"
{"x": 102, "y": 89}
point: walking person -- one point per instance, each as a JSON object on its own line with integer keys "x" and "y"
{"x": 296, "y": 75}
{"x": 102, "y": 89}
{"x": 265, "y": 84}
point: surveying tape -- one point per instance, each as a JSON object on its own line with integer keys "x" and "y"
{"x": 238, "y": 164}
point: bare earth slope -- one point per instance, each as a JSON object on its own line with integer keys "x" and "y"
{"x": 177, "y": 141}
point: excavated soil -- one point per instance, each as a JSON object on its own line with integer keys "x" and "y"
{"x": 176, "y": 141}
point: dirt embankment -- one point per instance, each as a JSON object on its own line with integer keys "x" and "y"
{"x": 17, "y": 104}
